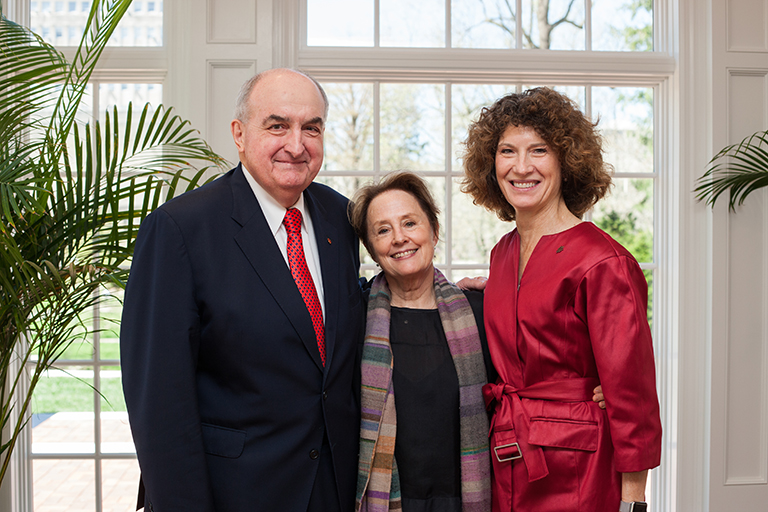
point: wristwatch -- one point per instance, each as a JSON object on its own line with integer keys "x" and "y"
{"x": 635, "y": 506}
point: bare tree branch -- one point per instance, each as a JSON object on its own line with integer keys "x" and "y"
{"x": 565, "y": 19}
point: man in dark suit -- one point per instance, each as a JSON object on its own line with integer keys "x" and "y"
{"x": 239, "y": 382}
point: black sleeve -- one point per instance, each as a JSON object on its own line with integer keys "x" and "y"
{"x": 476, "y": 302}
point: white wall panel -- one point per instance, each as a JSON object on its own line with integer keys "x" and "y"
{"x": 746, "y": 433}
{"x": 225, "y": 77}
{"x": 747, "y": 340}
{"x": 747, "y": 25}
{"x": 233, "y": 21}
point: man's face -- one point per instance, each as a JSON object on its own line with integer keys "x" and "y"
{"x": 281, "y": 142}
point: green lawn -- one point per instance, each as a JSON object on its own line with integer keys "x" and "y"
{"x": 58, "y": 394}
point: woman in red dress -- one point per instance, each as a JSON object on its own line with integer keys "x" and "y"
{"x": 565, "y": 309}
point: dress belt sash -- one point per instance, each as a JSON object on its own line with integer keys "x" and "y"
{"x": 508, "y": 405}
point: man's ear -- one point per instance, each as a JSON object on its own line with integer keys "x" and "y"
{"x": 237, "y": 134}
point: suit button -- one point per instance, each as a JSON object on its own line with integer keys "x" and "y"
{"x": 325, "y": 395}
{"x": 314, "y": 454}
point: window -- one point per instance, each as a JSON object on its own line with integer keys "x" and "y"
{"x": 81, "y": 452}
{"x": 404, "y": 79}
{"x": 615, "y": 25}
{"x": 137, "y": 28}
{"x": 385, "y": 123}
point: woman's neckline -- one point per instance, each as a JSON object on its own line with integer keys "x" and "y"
{"x": 406, "y": 308}
{"x": 566, "y": 230}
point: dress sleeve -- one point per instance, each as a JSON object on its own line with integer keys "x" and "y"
{"x": 613, "y": 296}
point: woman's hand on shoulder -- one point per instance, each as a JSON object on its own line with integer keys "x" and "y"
{"x": 473, "y": 283}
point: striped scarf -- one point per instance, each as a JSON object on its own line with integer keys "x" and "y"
{"x": 378, "y": 485}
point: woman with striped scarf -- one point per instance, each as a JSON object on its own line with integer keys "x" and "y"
{"x": 423, "y": 345}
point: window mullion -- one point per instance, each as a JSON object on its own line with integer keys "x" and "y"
{"x": 449, "y": 150}
{"x": 588, "y": 24}
{"x": 448, "y": 29}
{"x": 376, "y": 126}
{"x": 97, "y": 469}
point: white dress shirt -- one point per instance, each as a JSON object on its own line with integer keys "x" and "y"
{"x": 274, "y": 212}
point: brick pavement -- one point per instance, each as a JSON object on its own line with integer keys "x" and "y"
{"x": 68, "y": 485}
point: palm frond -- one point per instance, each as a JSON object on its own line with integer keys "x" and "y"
{"x": 30, "y": 70}
{"x": 72, "y": 198}
{"x": 102, "y": 21}
{"x": 739, "y": 169}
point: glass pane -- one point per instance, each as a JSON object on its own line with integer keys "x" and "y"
{"x": 460, "y": 273}
{"x": 369, "y": 272}
{"x": 437, "y": 187}
{"x": 622, "y": 25}
{"x": 62, "y": 411}
{"x": 484, "y": 24}
{"x": 121, "y": 94}
{"x": 65, "y": 486}
{"x": 574, "y": 92}
{"x": 626, "y": 122}
{"x": 62, "y": 23}
{"x": 627, "y": 215}
{"x": 345, "y": 185}
{"x": 405, "y": 23}
{"x": 553, "y": 24}
{"x": 110, "y": 311}
{"x": 412, "y": 127}
{"x": 83, "y": 116}
{"x": 466, "y": 102}
{"x": 120, "y": 485}
{"x": 349, "y": 130}
{"x": 475, "y": 230}
{"x": 115, "y": 431}
{"x": 649, "y": 278}
{"x": 81, "y": 346}
{"x": 340, "y": 22}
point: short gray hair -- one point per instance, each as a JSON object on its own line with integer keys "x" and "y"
{"x": 241, "y": 104}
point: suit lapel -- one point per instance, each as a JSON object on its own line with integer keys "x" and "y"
{"x": 258, "y": 244}
{"x": 328, "y": 245}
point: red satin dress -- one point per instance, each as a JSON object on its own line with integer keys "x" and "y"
{"x": 577, "y": 318}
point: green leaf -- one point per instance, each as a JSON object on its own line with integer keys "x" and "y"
{"x": 739, "y": 170}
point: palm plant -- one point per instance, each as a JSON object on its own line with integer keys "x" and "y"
{"x": 738, "y": 169}
{"x": 71, "y": 198}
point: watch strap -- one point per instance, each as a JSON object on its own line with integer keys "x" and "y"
{"x": 634, "y": 506}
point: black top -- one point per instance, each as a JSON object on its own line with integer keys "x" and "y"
{"x": 426, "y": 386}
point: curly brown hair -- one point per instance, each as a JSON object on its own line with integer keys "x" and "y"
{"x": 406, "y": 181}
{"x": 557, "y": 120}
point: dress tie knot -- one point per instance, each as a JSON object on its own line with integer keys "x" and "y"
{"x": 292, "y": 221}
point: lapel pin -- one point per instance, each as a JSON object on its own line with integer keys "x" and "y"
{"x": 329, "y": 241}
{"x": 559, "y": 249}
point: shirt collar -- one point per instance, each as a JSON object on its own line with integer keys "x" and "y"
{"x": 273, "y": 211}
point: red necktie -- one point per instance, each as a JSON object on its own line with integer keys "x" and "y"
{"x": 303, "y": 278}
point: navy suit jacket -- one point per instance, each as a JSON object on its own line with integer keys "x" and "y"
{"x": 227, "y": 397}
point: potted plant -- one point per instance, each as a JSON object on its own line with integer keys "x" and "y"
{"x": 738, "y": 169}
{"x": 72, "y": 198}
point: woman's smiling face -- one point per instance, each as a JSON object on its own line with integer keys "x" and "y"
{"x": 528, "y": 171}
{"x": 401, "y": 237}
